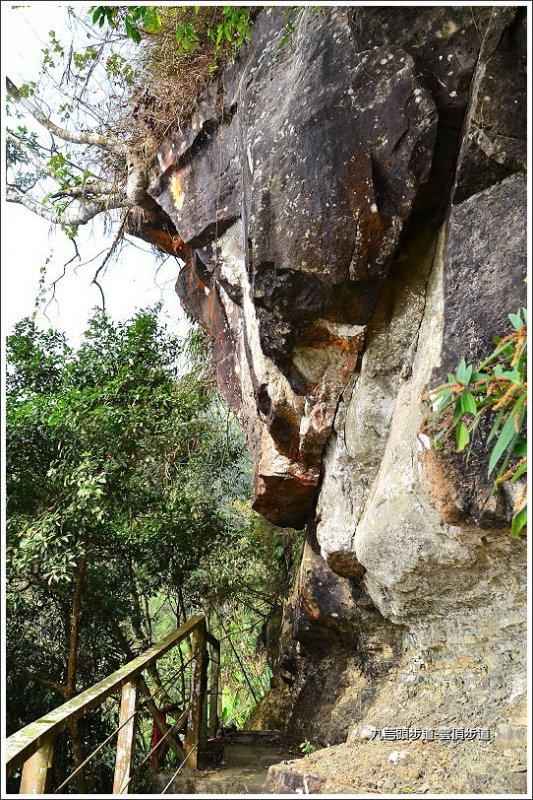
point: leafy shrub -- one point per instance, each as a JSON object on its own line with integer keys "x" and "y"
{"x": 181, "y": 48}
{"x": 498, "y": 387}
{"x": 228, "y": 24}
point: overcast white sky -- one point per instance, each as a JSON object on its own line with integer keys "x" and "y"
{"x": 132, "y": 282}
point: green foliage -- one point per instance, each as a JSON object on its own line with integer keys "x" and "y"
{"x": 54, "y": 50}
{"x": 28, "y": 89}
{"x": 182, "y": 46}
{"x": 134, "y": 18}
{"x": 120, "y": 70}
{"x": 290, "y": 27}
{"x": 121, "y": 454}
{"x": 232, "y": 28}
{"x": 117, "y": 454}
{"x": 496, "y": 387}
{"x": 232, "y": 711}
{"x": 84, "y": 60}
{"x": 307, "y": 747}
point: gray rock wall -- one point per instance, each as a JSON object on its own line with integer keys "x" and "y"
{"x": 354, "y": 209}
{"x": 413, "y": 528}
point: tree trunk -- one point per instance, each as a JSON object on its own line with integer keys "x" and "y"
{"x": 72, "y": 665}
{"x": 78, "y": 757}
{"x": 72, "y": 668}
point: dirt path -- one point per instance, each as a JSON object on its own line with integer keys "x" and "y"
{"x": 247, "y": 757}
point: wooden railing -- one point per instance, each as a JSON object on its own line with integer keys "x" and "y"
{"x": 32, "y": 748}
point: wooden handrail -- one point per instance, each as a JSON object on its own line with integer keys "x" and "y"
{"x": 24, "y": 743}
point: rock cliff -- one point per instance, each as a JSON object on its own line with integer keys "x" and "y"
{"x": 351, "y": 208}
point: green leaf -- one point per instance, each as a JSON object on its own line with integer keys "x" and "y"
{"x": 507, "y": 435}
{"x": 468, "y": 403}
{"x": 511, "y": 375}
{"x": 458, "y": 413}
{"x": 496, "y": 426}
{"x": 462, "y": 436}
{"x": 519, "y": 520}
{"x": 152, "y": 22}
{"x": 516, "y": 321}
{"x": 464, "y": 372}
{"x": 520, "y": 448}
{"x": 495, "y": 354}
{"x": 474, "y": 426}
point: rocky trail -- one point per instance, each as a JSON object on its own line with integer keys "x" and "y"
{"x": 264, "y": 762}
{"x": 245, "y": 761}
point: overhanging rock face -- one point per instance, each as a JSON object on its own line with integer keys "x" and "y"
{"x": 293, "y": 186}
{"x": 351, "y": 207}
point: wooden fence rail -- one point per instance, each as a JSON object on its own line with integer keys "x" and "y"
{"x": 32, "y": 747}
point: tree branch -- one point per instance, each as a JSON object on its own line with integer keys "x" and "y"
{"x": 32, "y": 676}
{"x": 98, "y": 186}
{"x": 108, "y": 143}
{"x": 70, "y": 217}
{"x": 43, "y": 169}
{"x": 36, "y": 581}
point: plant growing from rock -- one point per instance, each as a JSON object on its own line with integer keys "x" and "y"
{"x": 496, "y": 387}
{"x": 228, "y": 24}
{"x": 116, "y": 103}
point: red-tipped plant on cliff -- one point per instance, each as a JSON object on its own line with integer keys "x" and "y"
{"x": 496, "y": 387}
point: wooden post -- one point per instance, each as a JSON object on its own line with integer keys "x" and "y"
{"x": 37, "y": 770}
{"x": 30, "y": 740}
{"x": 126, "y": 738}
{"x": 214, "y": 678}
{"x": 196, "y": 731}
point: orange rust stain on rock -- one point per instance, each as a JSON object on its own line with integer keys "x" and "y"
{"x": 319, "y": 337}
{"x": 168, "y": 243}
{"x": 371, "y": 229}
{"x": 309, "y": 606}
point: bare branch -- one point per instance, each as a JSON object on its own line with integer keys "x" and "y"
{"x": 118, "y": 238}
{"x": 24, "y": 189}
{"x": 99, "y": 287}
{"x": 92, "y": 190}
{"x": 53, "y": 285}
{"x": 108, "y": 143}
{"x": 37, "y": 581}
{"x": 70, "y": 217}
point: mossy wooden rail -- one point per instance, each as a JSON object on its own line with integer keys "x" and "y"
{"x": 32, "y": 747}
